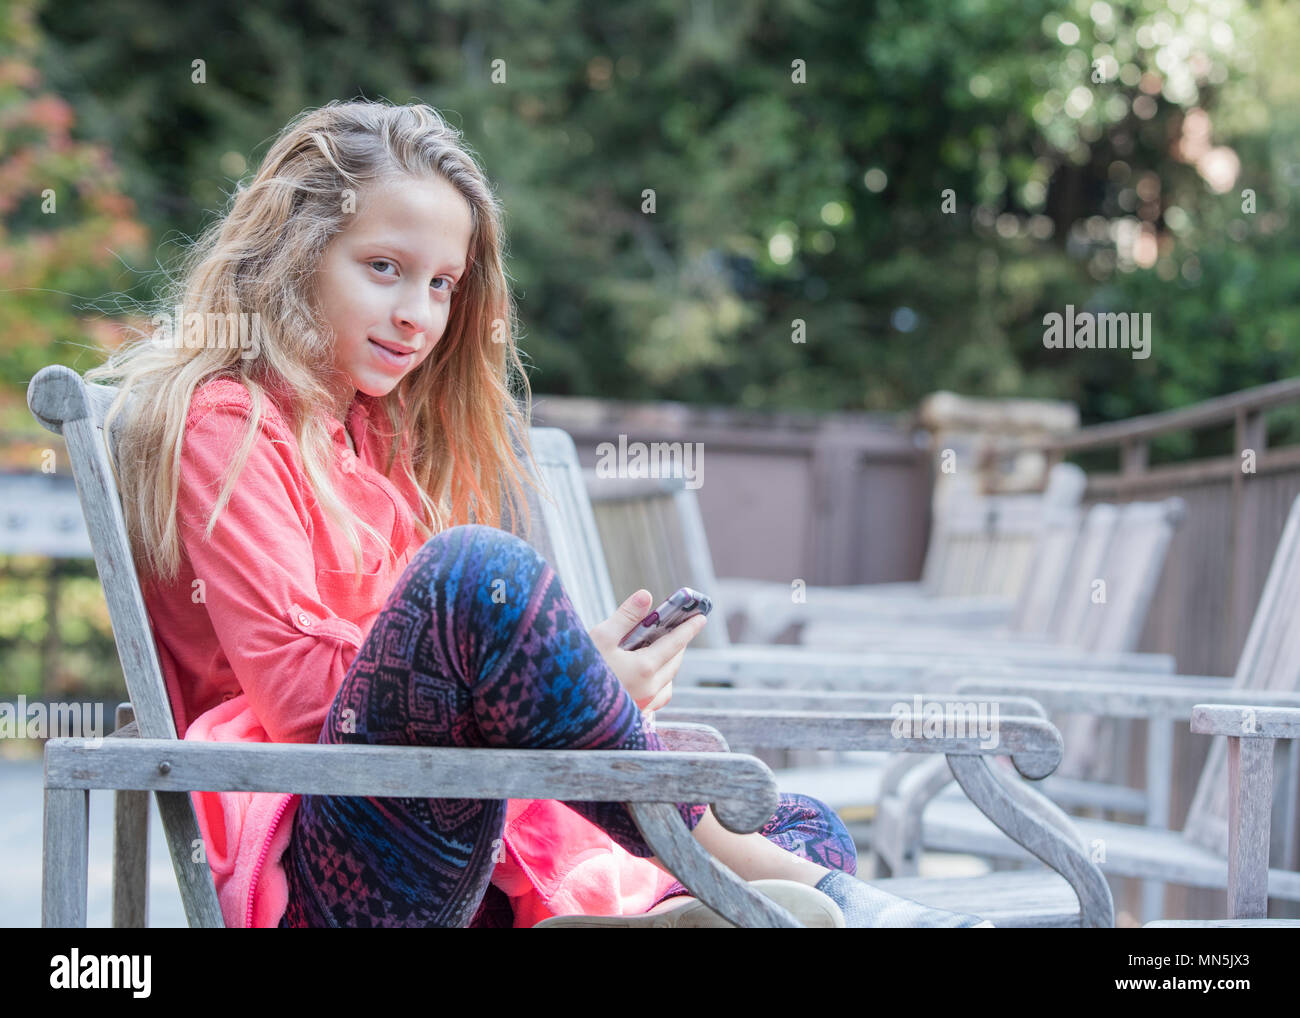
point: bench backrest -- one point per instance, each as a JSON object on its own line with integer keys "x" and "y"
{"x": 1040, "y": 597}
{"x": 653, "y": 533}
{"x": 653, "y": 537}
{"x": 562, "y": 519}
{"x": 66, "y": 405}
{"x": 986, "y": 546}
{"x": 1071, "y": 614}
{"x": 1132, "y": 568}
{"x": 1107, "y": 613}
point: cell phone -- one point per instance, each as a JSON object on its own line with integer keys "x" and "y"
{"x": 682, "y": 605}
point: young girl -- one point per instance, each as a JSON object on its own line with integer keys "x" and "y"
{"x": 317, "y": 516}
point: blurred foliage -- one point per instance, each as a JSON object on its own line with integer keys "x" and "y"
{"x": 64, "y": 223}
{"x": 84, "y": 662}
{"x": 1060, "y": 127}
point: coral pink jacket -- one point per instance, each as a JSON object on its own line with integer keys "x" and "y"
{"x": 257, "y": 633}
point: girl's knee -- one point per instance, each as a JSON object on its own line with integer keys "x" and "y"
{"x": 479, "y": 568}
{"x": 805, "y": 807}
{"x": 476, "y": 536}
{"x": 472, "y": 545}
{"x": 827, "y": 839}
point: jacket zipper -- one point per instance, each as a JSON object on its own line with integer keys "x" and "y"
{"x": 257, "y": 868}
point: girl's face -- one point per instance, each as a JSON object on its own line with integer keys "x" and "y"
{"x": 384, "y": 286}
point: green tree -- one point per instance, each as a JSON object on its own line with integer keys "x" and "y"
{"x": 801, "y": 158}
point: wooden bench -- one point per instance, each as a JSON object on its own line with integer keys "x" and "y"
{"x": 1267, "y": 676}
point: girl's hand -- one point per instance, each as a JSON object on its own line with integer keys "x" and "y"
{"x": 646, "y": 673}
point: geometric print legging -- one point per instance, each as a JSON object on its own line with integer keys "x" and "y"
{"x": 478, "y": 645}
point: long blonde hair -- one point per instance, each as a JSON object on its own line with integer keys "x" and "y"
{"x": 464, "y": 410}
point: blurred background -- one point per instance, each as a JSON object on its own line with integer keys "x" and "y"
{"x": 918, "y": 183}
{"x": 857, "y": 205}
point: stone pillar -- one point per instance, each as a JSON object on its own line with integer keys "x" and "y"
{"x": 977, "y": 443}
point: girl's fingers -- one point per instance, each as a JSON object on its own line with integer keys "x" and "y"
{"x": 662, "y": 697}
{"x": 665, "y": 675}
{"x": 607, "y": 635}
{"x": 661, "y": 683}
{"x": 667, "y": 647}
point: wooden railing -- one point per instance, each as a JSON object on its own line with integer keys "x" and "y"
{"x": 1237, "y": 504}
{"x": 828, "y": 498}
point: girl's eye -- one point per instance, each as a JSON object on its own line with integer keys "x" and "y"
{"x": 449, "y": 288}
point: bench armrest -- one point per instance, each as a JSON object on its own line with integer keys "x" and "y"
{"x": 741, "y": 790}
{"x": 1129, "y": 698}
{"x": 1251, "y": 732}
{"x": 940, "y": 727}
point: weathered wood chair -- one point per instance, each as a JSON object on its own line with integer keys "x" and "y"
{"x": 145, "y": 755}
{"x": 1267, "y": 676}
{"x": 1101, "y": 609}
{"x": 654, "y": 533}
{"x": 653, "y": 528}
{"x": 1100, "y": 604}
{"x": 1125, "y": 547}
{"x": 829, "y": 618}
{"x": 983, "y": 551}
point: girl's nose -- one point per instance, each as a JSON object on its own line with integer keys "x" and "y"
{"x": 412, "y": 319}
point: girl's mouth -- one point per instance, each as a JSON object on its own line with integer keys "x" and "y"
{"x": 392, "y": 357}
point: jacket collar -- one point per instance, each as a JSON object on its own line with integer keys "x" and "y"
{"x": 358, "y": 421}
{"x": 358, "y": 415}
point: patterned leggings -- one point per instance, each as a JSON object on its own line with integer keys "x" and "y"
{"x": 477, "y": 646}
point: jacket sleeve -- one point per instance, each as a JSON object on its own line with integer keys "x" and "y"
{"x": 288, "y": 651}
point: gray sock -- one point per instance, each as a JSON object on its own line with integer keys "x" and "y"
{"x": 869, "y": 907}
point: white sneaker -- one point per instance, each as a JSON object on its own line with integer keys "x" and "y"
{"x": 810, "y": 906}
